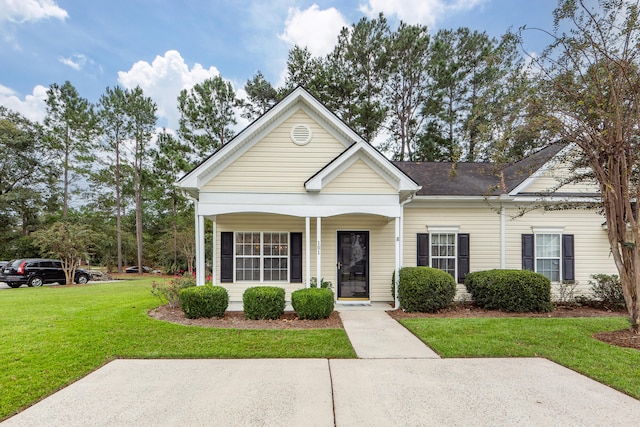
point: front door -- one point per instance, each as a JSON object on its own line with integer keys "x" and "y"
{"x": 353, "y": 265}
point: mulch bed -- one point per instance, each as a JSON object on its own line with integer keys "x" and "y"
{"x": 236, "y": 320}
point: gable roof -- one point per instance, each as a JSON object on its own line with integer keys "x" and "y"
{"x": 475, "y": 179}
{"x": 299, "y": 98}
{"x": 364, "y": 151}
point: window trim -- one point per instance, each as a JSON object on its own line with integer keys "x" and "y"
{"x": 559, "y": 231}
{"x": 433, "y": 257}
{"x": 262, "y": 257}
{"x": 445, "y": 229}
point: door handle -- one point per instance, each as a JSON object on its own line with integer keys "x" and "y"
{"x": 339, "y": 265}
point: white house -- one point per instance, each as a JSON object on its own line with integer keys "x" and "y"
{"x": 298, "y": 194}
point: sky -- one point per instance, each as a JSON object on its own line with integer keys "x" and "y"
{"x": 165, "y": 46}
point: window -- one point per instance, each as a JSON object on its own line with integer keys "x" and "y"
{"x": 262, "y": 256}
{"x": 550, "y": 253}
{"x": 443, "y": 252}
{"x": 548, "y": 256}
{"x": 444, "y": 249}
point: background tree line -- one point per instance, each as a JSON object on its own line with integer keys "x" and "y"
{"x": 456, "y": 95}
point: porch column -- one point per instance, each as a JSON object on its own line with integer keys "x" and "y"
{"x": 398, "y": 258}
{"x": 200, "y": 252}
{"x": 319, "y": 251}
{"x": 214, "y": 256}
{"x": 307, "y": 255}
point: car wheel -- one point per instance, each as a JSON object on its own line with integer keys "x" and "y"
{"x": 35, "y": 281}
{"x": 14, "y": 285}
{"x": 82, "y": 279}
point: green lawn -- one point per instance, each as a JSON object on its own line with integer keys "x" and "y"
{"x": 568, "y": 342}
{"x": 52, "y": 336}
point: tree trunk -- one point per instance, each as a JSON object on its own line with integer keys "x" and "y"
{"x": 65, "y": 184}
{"x": 138, "y": 201}
{"x": 118, "y": 211}
{"x": 175, "y": 234}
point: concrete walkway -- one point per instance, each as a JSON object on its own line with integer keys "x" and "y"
{"x": 401, "y": 383}
{"x": 375, "y": 335}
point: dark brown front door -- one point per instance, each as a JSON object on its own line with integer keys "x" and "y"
{"x": 353, "y": 264}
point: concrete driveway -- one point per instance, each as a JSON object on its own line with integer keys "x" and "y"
{"x": 396, "y": 381}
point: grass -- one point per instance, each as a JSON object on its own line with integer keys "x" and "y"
{"x": 566, "y": 341}
{"x": 52, "y": 336}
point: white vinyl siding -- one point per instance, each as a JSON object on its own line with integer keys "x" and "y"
{"x": 591, "y": 245}
{"x": 548, "y": 181}
{"x": 276, "y": 164}
{"x": 360, "y": 179}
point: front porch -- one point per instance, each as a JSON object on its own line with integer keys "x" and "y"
{"x": 357, "y": 253}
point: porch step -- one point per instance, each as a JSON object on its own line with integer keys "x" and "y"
{"x": 375, "y": 335}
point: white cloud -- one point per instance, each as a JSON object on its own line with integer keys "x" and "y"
{"x": 314, "y": 28}
{"x": 426, "y": 12}
{"x": 32, "y": 107}
{"x": 163, "y": 79}
{"x": 30, "y": 10}
{"x": 76, "y": 61}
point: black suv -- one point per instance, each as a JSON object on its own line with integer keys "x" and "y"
{"x": 37, "y": 272}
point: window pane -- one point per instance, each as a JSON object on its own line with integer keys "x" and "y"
{"x": 548, "y": 245}
{"x": 549, "y": 268}
{"x": 445, "y": 264}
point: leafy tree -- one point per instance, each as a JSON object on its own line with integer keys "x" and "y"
{"x": 523, "y": 122}
{"x": 262, "y": 96}
{"x": 303, "y": 70}
{"x": 142, "y": 113}
{"x": 207, "y": 115}
{"x": 406, "y": 89}
{"x": 68, "y": 242}
{"x": 356, "y": 73}
{"x": 169, "y": 163}
{"x": 472, "y": 78}
{"x": 115, "y": 127}
{"x": 590, "y": 76}
{"x": 71, "y": 125}
{"x": 27, "y": 182}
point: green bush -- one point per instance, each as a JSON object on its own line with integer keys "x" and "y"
{"x": 204, "y": 301}
{"x": 263, "y": 302}
{"x": 510, "y": 290}
{"x": 313, "y": 303}
{"x": 608, "y": 289}
{"x": 170, "y": 293}
{"x": 323, "y": 283}
{"x": 425, "y": 289}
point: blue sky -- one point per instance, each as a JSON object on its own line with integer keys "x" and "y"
{"x": 167, "y": 45}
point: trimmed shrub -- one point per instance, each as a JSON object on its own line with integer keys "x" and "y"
{"x": 263, "y": 302}
{"x": 313, "y": 303}
{"x": 204, "y": 301}
{"x": 425, "y": 289}
{"x": 608, "y": 289}
{"x": 510, "y": 290}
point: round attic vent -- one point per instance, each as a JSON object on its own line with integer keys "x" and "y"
{"x": 301, "y": 134}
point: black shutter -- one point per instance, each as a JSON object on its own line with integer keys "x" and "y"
{"x": 528, "y": 254}
{"x": 463, "y": 256}
{"x": 226, "y": 257}
{"x": 295, "y": 257}
{"x": 568, "y": 261}
{"x": 423, "y": 250}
